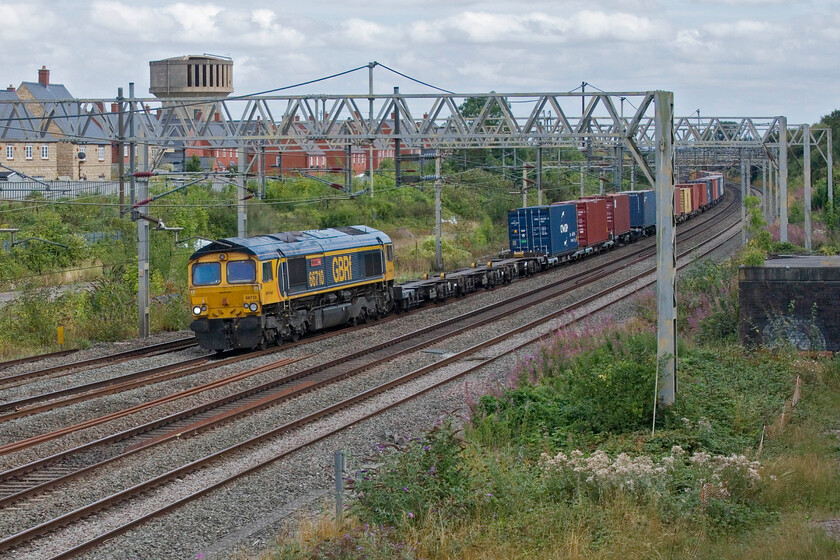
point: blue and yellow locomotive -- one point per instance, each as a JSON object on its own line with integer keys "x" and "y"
{"x": 254, "y": 291}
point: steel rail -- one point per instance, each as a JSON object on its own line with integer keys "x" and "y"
{"x": 734, "y": 231}
{"x": 37, "y": 358}
{"x": 170, "y": 346}
{"x": 105, "y": 502}
{"x": 250, "y": 405}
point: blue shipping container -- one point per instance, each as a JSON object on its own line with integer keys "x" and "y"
{"x": 642, "y": 208}
{"x": 649, "y": 208}
{"x": 551, "y": 230}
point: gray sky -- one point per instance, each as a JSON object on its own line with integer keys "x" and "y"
{"x": 724, "y": 57}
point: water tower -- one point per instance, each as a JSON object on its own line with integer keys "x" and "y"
{"x": 191, "y": 76}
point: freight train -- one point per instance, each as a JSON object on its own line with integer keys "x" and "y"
{"x": 255, "y": 291}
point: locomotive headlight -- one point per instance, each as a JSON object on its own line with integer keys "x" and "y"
{"x": 253, "y": 307}
{"x": 197, "y": 310}
{"x": 245, "y": 305}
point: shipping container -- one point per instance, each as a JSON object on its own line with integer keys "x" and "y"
{"x": 682, "y": 199}
{"x": 621, "y": 213}
{"x": 637, "y": 212}
{"x": 551, "y": 230}
{"x": 592, "y": 221}
{"x": 685, "y": 194}
{"x": 697, "y": 190}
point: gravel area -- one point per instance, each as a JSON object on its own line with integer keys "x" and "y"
{"x": 246, "y": 513}
{"x": 98, "y": 350}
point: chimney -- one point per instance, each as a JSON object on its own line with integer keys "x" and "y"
{"x": 10, "y": 88}
{"x": 115, "y": 107}
{"x": 217, "y": 116}
{"x": 44, "y": 76}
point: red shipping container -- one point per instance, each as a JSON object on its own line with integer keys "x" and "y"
{"x": 610, "y": 212}
{"x": 697, "y": 194}
{"x": 592, "y": 221}
{"x": 619, "y": 207}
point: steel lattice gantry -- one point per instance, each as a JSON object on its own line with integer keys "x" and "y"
{"x": 414, "y": 121}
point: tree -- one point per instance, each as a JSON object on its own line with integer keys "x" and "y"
{"x": 192, "y": 164}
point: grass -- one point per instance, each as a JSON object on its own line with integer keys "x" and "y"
{"x": 482, "y": 490}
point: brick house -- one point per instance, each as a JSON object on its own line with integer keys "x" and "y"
{"x": 52, "y": 156}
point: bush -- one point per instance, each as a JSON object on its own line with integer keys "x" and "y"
{"x": 427, "y": 475}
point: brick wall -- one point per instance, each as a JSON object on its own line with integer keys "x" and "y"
{"x": 796, "y": 305}
{"x": 62, "y": 160}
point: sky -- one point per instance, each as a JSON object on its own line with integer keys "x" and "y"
{"x": 728, "y": 58}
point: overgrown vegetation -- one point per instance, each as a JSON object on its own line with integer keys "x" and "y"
{"x": 561, "y": 461}
{"x": 94, "y": 273}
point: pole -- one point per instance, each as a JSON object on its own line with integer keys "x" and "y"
{"x": 241, "y": 209}
{"x": 438, "y": 218}
{"x": 620, "y": 172}
{"x": 121, "y": 148}
{"x": 397, "y": 139}
{"x": 339, "y": 458}
{"x": 829, "y": 159}
{"x": 764, "y": 189}
{"x": 262, "y": 166}
{"x": 743, "y": 196}
{"x": 370, "y": 123}
{"x": 783, "y": 177}
{"x": 524, "y": 186}
{"x": 139, "y": 191}
{"x": 581, "y": 179}
{"x": 633, "y": 177}
{"x": 806, "y": 179}
{"x": 771, "y": 198}
{"x": 666, "y": 243}
{"x": 132, "y": 147}
{"x": 539, "y": 177}
{"x": 601, "y": 178}
{"x": 348, "y": 169}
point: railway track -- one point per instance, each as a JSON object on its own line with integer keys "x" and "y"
{"x": 588, "y": 304}
{"x": 73, "y": 367}
{"x": 198, "y": 423}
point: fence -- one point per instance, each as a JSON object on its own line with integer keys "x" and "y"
{"x": 21, "y": 190}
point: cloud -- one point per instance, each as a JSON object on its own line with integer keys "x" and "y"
{"x": 534, "y": 28}
{"x": 741, "y": 28}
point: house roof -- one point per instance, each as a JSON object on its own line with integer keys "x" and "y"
{"x": 46, "y": 95}
{"x": 15, "y": 118}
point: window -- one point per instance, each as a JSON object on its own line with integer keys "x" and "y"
{"x": 10, "y": 152}
{"x": 101, "y": 153}
{"x": 389, "y": 252}
{"x": 206, "y": 274}
{"x": 267, "y": 271}
{"x": 28, "y": 152}
{"x": 125, "y": 151}
{"x": 241, "y": 272}
{"x": 81, "y": 150}
{"x": 45, "y": 152}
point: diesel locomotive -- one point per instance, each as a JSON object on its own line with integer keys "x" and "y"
{"x": 254, "y": 291}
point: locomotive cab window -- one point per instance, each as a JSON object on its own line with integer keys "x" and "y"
{"x": 389, "y": 252}
{"x": 267, "y": 271}
{"x": 241, "y": 272}
{"x": 207, "y": 274}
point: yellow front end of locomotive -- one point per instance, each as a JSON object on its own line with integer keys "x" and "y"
{"x": 224, "y": 286}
